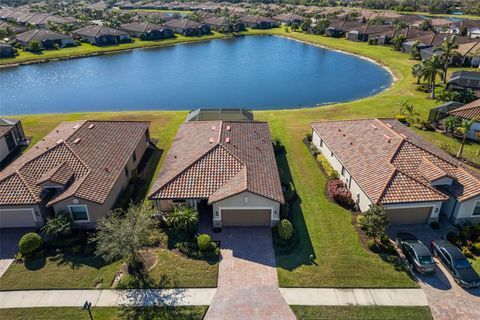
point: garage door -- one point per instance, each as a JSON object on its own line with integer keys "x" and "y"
{"x": 409, "y": 216}
{"x": 245, "y": 217}
{"x": 16, "y": 218}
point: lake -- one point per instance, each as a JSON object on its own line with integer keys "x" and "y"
{"x": 258, "y": 72}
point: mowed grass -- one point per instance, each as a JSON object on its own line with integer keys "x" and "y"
{"x": 361, "y": 313}
{"x": 69, "y": 272}
{"x": 106, "y": 313}
{"x": 324, "y": 229}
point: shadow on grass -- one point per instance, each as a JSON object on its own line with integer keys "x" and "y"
{"x": 300, "y": 254}
{"x": 77, "y": 261}
{"x": 164, "y": 313}
{"x": 35, "y": 264}
{"x": 397, "y": 263}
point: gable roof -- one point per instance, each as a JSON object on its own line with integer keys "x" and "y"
{"x": 143, "y": 27}
{"x": 218, "y": 159}
{"x": 183, "y": 24}
{"x": 89, "y": 154}
{"x": 468, "y": 111}
{"x": 388, "y": 161}
{"x": 97, "y": 31}
{"x": 256, "y": 19}
{"x": 41, "y": 35}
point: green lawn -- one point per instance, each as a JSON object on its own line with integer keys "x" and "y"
{"x": 324, "y": 228}
{"x": 361, "y": 313}
{"x": 175, "y": 271}
{"x": 106, "y": 313}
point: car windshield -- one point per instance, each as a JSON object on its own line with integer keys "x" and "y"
{"x": 425, "y": 260}
{"x": 461, "y": 264}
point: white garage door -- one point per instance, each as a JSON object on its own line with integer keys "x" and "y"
{"x": 17, "y": 218}
{"x": 409, "y": 215}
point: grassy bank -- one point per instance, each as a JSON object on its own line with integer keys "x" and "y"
{"x": 361, "y": 313}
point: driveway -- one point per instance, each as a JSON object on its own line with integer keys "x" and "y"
{"x": 9, "y": 245}
{"x": 447, "y": 300}
{"x": 247, "y": 280}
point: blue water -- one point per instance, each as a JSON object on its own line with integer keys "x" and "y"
{"x": 249, "y": 72}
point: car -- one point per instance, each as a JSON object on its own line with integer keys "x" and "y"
{"x": 416, "y": 253}
{"x": 456, "y": 263}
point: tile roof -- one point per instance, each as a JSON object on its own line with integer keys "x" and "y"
{"x": 98, "y": 31}
{"x": 142, "y": 27}
{"x": 468, "y": 111}
{"x": 92, "y": 154}
{"x": 392, "y": 164}
{"x": 218, "y": 159}
{"x": 183, "y": 24}
{"x": 41, "y": 35}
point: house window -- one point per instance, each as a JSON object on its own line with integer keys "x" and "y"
{"x": 331, "y": 154}
{"x": 79, "y": 213}
{"x": 126, "y": 171}
{"x": 343, "y": 171}
{"x": 134, "y": 156}
{"x": 476, "y": 209}
{"x": 178, "y": 201}
{"x": 321, "y": 143}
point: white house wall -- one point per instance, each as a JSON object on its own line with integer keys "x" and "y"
{"x": 463, "y": 212}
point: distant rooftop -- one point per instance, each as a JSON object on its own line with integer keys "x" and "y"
{"x": 220, "y": 114}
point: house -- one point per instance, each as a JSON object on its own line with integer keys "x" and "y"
{"x": 188, "y": 28}
{"x": 441, "y": 112}
{"x": 289, "y": 18}
{"x": 224, "y": 24}
{"x": 462, "y": 80}
{"x": 470, "y": 111}
{"x": 469, "y": 54}
{"x": 101, "y": 35}
{"x": 226, "y": 167}
{"x": 381, "y": 161}
{"x": 47, "y": 39}
{"x": 148, "y": 31}
{"x": 357, "y": 35}
{"x": 258, "y": 22}
{"x": 11, "y": 137}
{"x": 80, "y": 168}
{"x": 6, "y": 51}
{"x": 14, "y": 27}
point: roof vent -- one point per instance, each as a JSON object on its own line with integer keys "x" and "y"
{"x": 91, "y": 126}
{"x": 213, "y": 128}
{"x": 227, "y": 139}
{"x": 403, "y": 136}
{"x": 76, "y": 140}
{"x": 339, "y": 130}
{"x": 387, "y": 137}
{"x": 59, "y": 141}
{"x": 211, "y": 140}
{"x": 373, "y": 126}
{"x": 389, "y": 125}
{"x": 76, "y": 127}
{"x": 229, "y": 128}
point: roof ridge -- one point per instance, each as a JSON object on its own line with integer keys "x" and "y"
{"x": 30, "y": 191}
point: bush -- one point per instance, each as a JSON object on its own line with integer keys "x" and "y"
{"x": 476, "y": 247}
{"x": 361, "y": 221}
{"x": 34, "y": 46}
{"x": 29, "y": 243}
{"x": 314, "y": 150}
{"x": 327, "y": 167}
{"x": 183, "y": 218}
{"x": 372, "y": 41}
{"x": 309, "y": 137}
{"x": 402, "y": 118}
{"x": 285, "y": 229}
{"x": 203, "y": 242}
{"x": 338, "y": 192}
{"x": 466, "y": 252}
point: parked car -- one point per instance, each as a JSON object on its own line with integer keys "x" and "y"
{"x": 416, "y": 253}
{"x": 456, "y": 263}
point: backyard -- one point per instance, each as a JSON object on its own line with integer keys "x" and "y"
{"x": 325, "y": 229}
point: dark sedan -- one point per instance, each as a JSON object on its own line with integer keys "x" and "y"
{"x": 416, "y": 253}
{"x": 456, "y": 263}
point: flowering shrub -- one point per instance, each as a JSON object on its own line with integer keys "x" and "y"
{"x": 331, "y": 173}
{"x": 339, "y": 193}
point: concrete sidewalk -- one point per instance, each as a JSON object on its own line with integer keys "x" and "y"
{"x": 106, "y": 298}
{"x": 354, "y": 297}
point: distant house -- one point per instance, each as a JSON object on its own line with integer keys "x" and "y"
{"x": 79, "y": 169}
{"x": 441, "y": 112}
{"x": 188, "y": 27}
{"x": 289, "y": 18}
{"x": 11, "y": 136}
{"x": 382, "y": 161}
{"x": 468, "y": 54}
{"x": 6, "y": 51}
{"x": 462, "y": 80}
{"x": 258, "y": 22}
{"x": 469, "y": 112}
{"x": 357, "y": 35}
{"x": 427, "y": 53}
{"x": 101, "y": 35}
{"x": 48, "y": 39}
{"x": 148, "y": 31}
{"x": 14, "y": 27}
{"x": 223, "y": 24}
{"x": 228, "y": 168}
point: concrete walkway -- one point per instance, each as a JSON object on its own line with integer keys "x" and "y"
{"x": 106, "y": 298}
{"x": 354, "y": 297}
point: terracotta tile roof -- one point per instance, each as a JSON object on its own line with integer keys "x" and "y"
{"x": 468, "y": 111}
{"x": 92, "y": 154}
{"x": 392, "y": 164}
{"x": 218, "y": 159}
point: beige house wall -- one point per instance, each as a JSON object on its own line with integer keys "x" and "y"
{"x": 463, "y": 212}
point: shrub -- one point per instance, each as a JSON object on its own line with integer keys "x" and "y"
{"x": 314, "y": 150}
{"x": 309, "y": 137}
{"x": 361, "y": 221}
{"x": 466, "y": 252}
{"x": 371, "y": 244}
{"x": 58, "y": 225}
{"x": 402, "y": 118}
{"x": 29, "y": 243}
{"x": 203, "y": 242}
{"x": 372, "y": 41}
{"x": 330, "y": 172}
{"x": 339, "y": 193}
{"x": 183, "y": 218}
{"x": 376, "y": 222}
{"x": 476, "y": 247}
{"x": 34, "y": 46}
{"x": 285, "y": 229}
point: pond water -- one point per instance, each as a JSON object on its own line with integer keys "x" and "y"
{"x": 255, "y": 72}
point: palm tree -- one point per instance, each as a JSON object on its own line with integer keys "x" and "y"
{"x": 448, "y": 52}
{"x": 417, "y": 70}
{"x": 465, "y": 128}
{"x": 431, "y": 69}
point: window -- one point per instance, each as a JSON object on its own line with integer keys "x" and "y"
{"x": 126, "y": 171}
{"x": 79, "y": 213}
{"x": 178, "y": 201}
{"x": 331, "y": 154}
{"x": 134, "y": 156}
{"x": 343, "y": 171}
{"x": 476, "y": 210}
{"x": 321, "y": 142}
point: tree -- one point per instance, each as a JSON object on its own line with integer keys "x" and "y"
{"x": 417, "y": 70}
{"x": 306, "y": 24}
{"x": 285, "y": 229}
{"x": 464, "y": 128}
{"x": 448, "y": 52}
{"x": 58, "y": 225}
{"x": 415, "y": 53}
{"x": 294, "y": 26}
{"x": 183, "y": 218}
{"x": 407, "y": 109}
{"x": 375, "y": 222}
{"x": 122, "y": 234}
{"x": 397, "y": 42}
{"x": 451, "y": 123}
{"x": 432, "y": 68}
{"x": 34, "y": 46}
{"x": 426, "y": 25}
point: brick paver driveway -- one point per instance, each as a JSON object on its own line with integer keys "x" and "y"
{"x": 447, "y": 300}
{"x": 9, "y": 245}
{"x": 247, "y": 280}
